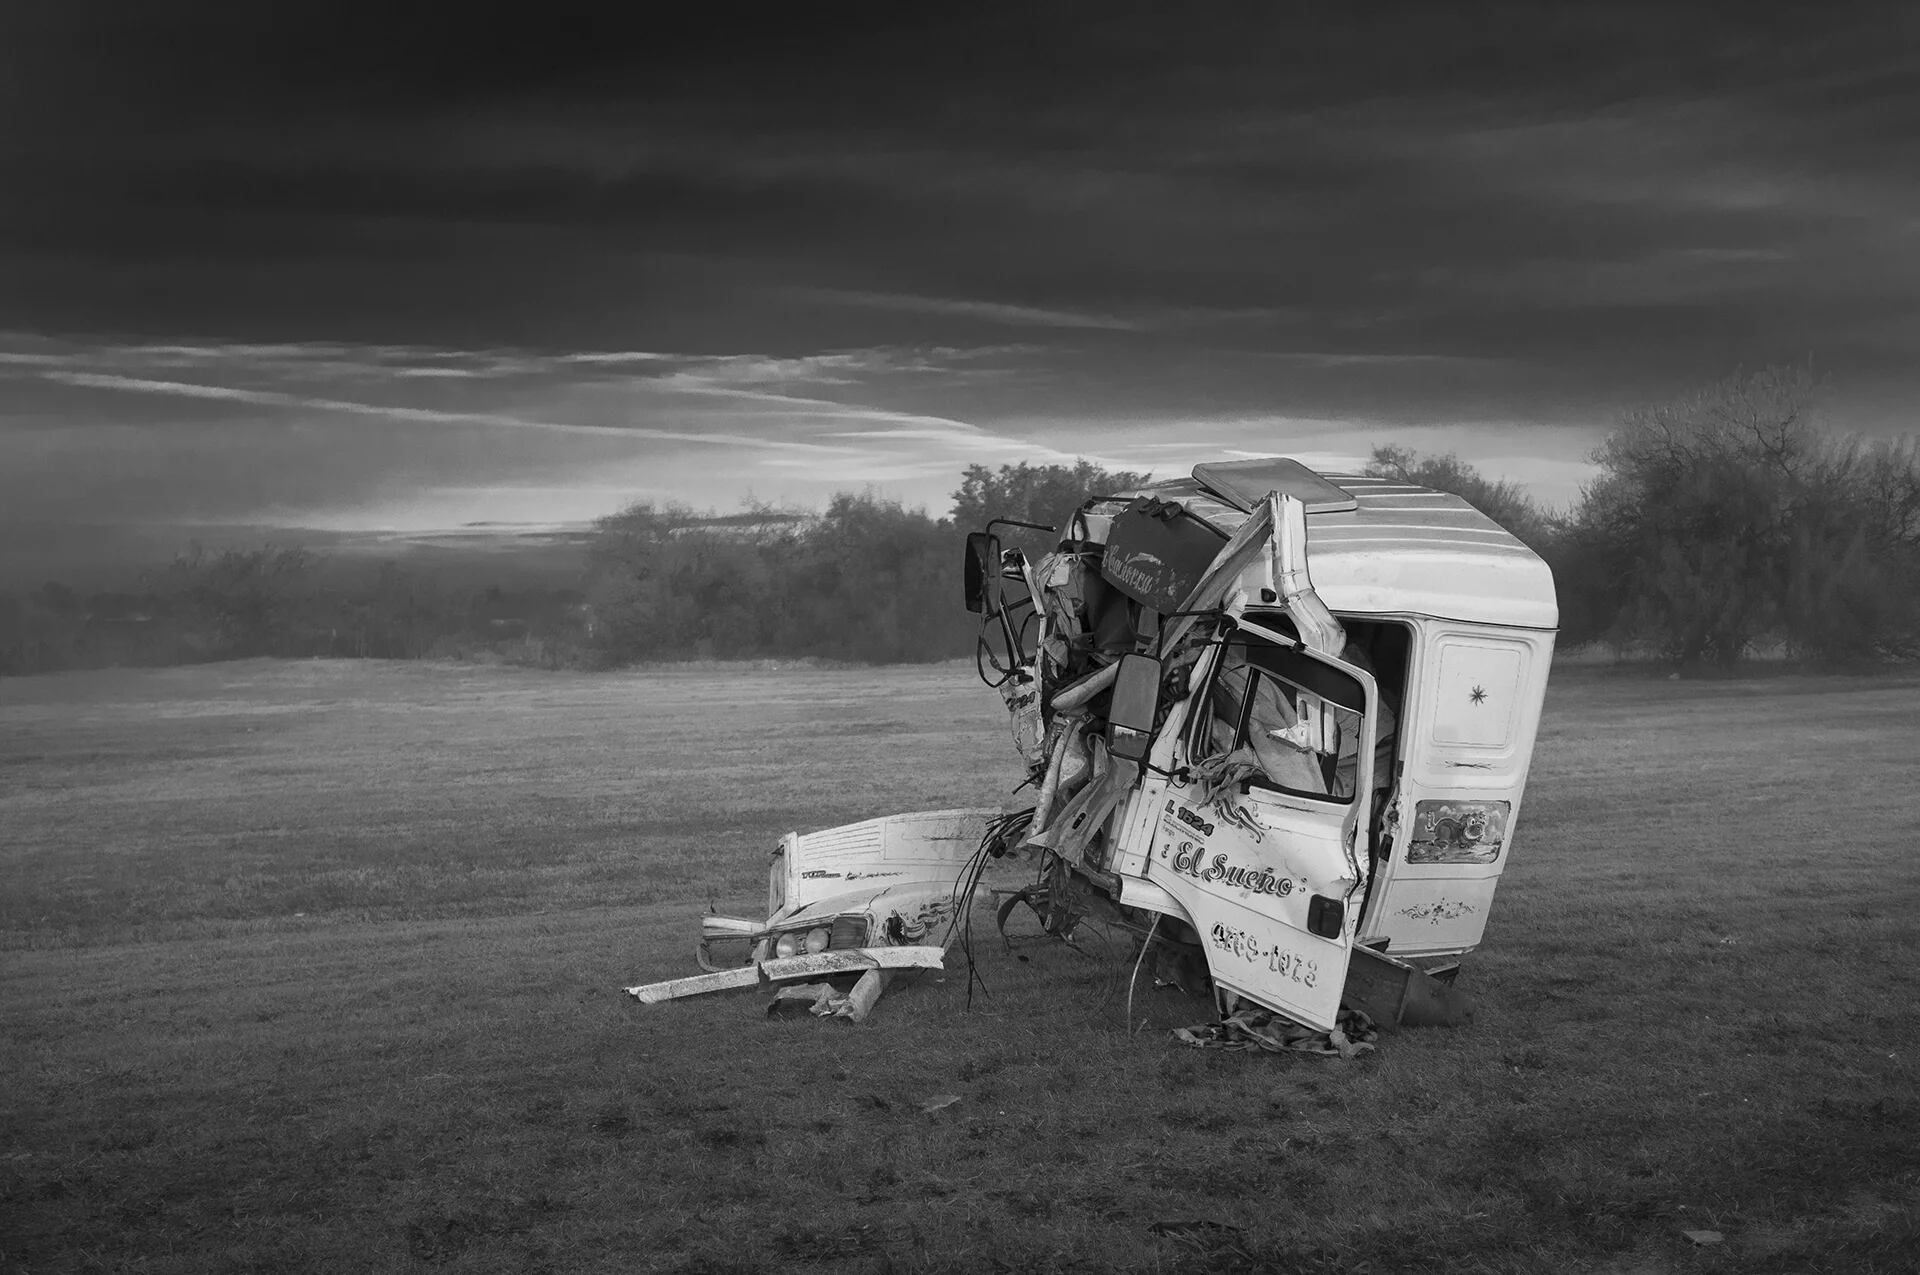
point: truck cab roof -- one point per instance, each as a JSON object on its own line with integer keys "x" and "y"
{"x": 1380, "y": 547}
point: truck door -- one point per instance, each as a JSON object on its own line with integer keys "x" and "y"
{"x": 1472, "y": 712}
{"x": 1258, "y": 846}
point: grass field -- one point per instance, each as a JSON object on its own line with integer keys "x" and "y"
{"x": 316, "y": 967}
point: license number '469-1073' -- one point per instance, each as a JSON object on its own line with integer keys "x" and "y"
{"x": 1277, "y": 959}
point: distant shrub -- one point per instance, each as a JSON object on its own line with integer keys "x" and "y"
{"x": 286, "y": 602}
{"x": 866, "y": 580}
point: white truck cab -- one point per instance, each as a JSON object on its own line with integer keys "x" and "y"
{"x": 1303, "y": 706}
{"x": 1280, "y": 716}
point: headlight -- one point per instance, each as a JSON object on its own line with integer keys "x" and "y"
{"x": 848, "y": 930}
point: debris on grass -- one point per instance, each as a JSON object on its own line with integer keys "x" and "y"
{"x": 803, "y": 998}
{"x": 791, "y": 969}
{"x": 827, "y": 1243}
{"x": 824, "y": 1000}
{"x": 1222, "y": 1243}
{"x": 1193, "y": 1228}
{"x": 1704, "y": 1237}
{"x": 1254, "y": 1028}
{"x": 939, "y": 1102}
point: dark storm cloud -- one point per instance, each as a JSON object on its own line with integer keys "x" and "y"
{"x": 1116, "y": 162}
{"x": 1413, "y": 215}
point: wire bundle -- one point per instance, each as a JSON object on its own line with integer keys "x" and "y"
{"x": 1002, "y": 833}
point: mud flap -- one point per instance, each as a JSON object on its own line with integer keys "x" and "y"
{"x": 1396, "y": 994}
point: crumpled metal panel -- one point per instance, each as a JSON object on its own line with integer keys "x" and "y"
{"x": 929, "y": 846}
{"x": 785, "y": 969}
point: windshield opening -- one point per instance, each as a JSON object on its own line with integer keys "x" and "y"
{"x": 1283, "y": 719}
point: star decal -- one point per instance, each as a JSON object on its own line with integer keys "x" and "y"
{"x": 1478, "y": 695}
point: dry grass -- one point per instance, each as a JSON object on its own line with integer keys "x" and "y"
{"x": 315, "y": 967}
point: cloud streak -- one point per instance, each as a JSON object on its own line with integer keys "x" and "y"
{"x": 276, "y": 399}
{"x": 990, "y": 311}
{"x": 703, "y": 427}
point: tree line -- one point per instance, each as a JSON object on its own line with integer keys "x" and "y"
{"x": 286, "y": 602}
{"x": 1727, "y": 520}
{"x": 866, "y": 580}
{"x": 1720, "y": 524}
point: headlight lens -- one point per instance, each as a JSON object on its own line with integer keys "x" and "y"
{"x": 786, "y": 945}
{"x": 817, "y": 940}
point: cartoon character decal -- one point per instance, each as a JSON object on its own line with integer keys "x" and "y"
{"x": 1458, "y": 831}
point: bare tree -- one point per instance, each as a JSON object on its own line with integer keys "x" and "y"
{"x": 1046, "y": 494}
{"x": 1727, "y": 516}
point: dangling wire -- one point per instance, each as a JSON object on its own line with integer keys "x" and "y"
{"x": 1001, "y": 831}
{"x": 1145, "y": 947}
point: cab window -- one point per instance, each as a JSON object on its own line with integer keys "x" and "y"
{"x": 1291, "y": 722}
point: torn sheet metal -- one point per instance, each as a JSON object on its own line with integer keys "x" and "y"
{"x": 1400, "y": 994}
{"x": 924, "y": 848}
{"x": 866, "y": 898}
{"x": 861, "y": 959}
{"x": 787, "y": 969}
{"x": 796, "y": 999}
{"x": 674, "y": 989}
{"x": 824, "y": 1000}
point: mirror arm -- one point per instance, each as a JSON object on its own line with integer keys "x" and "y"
{"x": 1074, "y": 695}
{"x": 1278, "y": 639}
{"x": 1013, "y": 640}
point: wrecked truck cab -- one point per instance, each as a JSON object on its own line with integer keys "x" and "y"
{"x": 1278, "y": 717}
{"x": 1352, "y": 676}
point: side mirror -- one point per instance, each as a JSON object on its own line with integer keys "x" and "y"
{"x": 1136, "y": 698}
{"x": 982, "y": 572}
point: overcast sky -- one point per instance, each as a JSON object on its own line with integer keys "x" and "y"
{"x": 351, "y": 267}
